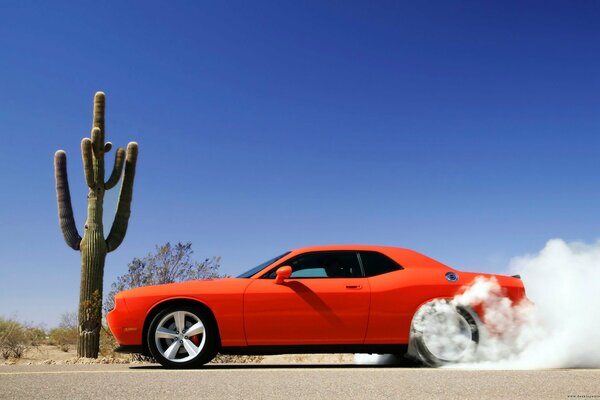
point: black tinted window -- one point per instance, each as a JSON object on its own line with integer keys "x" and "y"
{"x": 324, "y": 264}
{"x": 376, "y": 263}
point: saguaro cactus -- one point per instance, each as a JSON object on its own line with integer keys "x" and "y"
{"x": 93, "y": 246}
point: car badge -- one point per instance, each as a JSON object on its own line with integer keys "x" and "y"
{"x": 451, "y": 277}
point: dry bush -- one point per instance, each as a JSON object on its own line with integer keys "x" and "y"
{"x": 68, "y": 320}
{"x": 63, "y": 338}
{"x": 142, "y": 358}
{"x": 36, "y": 335}
{"x": 13, "y": 339}
{"x": 67, "y": 333}
{"x": 12, "y": 350}
{"x": 233, "y": 359}
{"x": 107, "y": 343}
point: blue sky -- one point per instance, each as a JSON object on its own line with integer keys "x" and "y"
{"x": 469, "y": 131}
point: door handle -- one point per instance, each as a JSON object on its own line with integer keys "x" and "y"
{"x": 353, "y": 287}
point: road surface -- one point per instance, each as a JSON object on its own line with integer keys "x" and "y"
{"x": 316, "y": 381}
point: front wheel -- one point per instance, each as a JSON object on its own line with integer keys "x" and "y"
{"x": 443, "y": 333}
{"x": 182, "y": 337}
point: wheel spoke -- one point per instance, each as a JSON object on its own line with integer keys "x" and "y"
{"x": 195, "y": 329}
{"x": 165, "y": 333}
{"x": 179, "y": 320}
{"x": 171, "y": 352}
{"x": 190, "y": 347}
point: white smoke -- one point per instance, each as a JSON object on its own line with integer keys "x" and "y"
{"x": 559, "y": 328}
{"x": 509, "y": 330}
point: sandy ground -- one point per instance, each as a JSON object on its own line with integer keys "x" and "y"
{"x": 40, "y": 354}
{"x": 45, "y": 354}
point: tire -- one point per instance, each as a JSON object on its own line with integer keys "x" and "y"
{"x": 442, "y": 333}
{"x": 170, "y": 343}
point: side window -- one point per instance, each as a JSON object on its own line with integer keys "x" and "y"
{"x": 325, "y": 264}
{"x": 376, "y": 263}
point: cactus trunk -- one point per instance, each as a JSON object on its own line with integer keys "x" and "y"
{"x": 93, "y": 246}
{"x": 93, "y": 255}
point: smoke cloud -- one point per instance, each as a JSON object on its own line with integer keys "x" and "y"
{"x": 558, "y": 328}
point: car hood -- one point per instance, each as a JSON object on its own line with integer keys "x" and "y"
{"x": 188, "y": 287}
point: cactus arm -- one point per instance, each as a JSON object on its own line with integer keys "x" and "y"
{"x": 99, "y": 107}
{"x": 116, "y": 172}
{"x": 97, "y": 144}
{"x": 63, "y": 199}
{"x": 88, "y": 167}
{"x": 119, "y": 226}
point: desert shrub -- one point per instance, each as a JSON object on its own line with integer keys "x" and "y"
{"x": 68, "y": 320}
{"x": 231, "y": 359}
{"x": 13, "y": 339}
{"x": 142, "y": 358}
{"x": 66, "y": 334}
{"x": 63, "y": 337}
{"x": 36, "y": 335}
{"x": 107, "y": 342}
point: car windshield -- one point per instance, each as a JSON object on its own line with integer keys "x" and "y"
{"x": 254, "y": 270}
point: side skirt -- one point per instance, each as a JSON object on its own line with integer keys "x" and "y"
{"x": 129, "y": 349}
{"x": 315, "y": 349}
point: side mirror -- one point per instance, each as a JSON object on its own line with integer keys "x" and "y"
{"x": 282, "y": 274}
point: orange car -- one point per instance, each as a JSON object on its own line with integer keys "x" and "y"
{"x": 343, "y": 299}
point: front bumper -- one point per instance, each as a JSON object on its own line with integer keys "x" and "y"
{"x": 124, "y": 325}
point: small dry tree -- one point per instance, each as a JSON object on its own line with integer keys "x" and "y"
{"x": 93, "y": 246}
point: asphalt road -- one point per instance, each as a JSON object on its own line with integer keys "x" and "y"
{"x": 316, "y": 381}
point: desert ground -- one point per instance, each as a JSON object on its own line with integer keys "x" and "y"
{"x": 53, "y": 355}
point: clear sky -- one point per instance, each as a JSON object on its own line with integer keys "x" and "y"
{"x": 466, "y": 130}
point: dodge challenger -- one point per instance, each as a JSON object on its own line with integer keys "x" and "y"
{"x": 324, "y": 299}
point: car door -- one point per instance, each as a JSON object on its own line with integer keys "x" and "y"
{"x": 325, "y": 301}
{"x": 392, "y": 296}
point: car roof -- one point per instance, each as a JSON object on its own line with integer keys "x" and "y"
{"x": 359, "y": 247}
{"x": 403, "y": 256}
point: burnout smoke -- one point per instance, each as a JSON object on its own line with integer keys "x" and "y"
{"x": 561, "y": 326}
{"x": 558, "y": 328}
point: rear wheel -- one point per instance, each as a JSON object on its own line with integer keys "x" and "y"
{"x": 443, "y": 333}
{"x": 182, "y": 337}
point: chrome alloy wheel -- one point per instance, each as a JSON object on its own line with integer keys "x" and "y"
{"x": 180, "y": 336}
